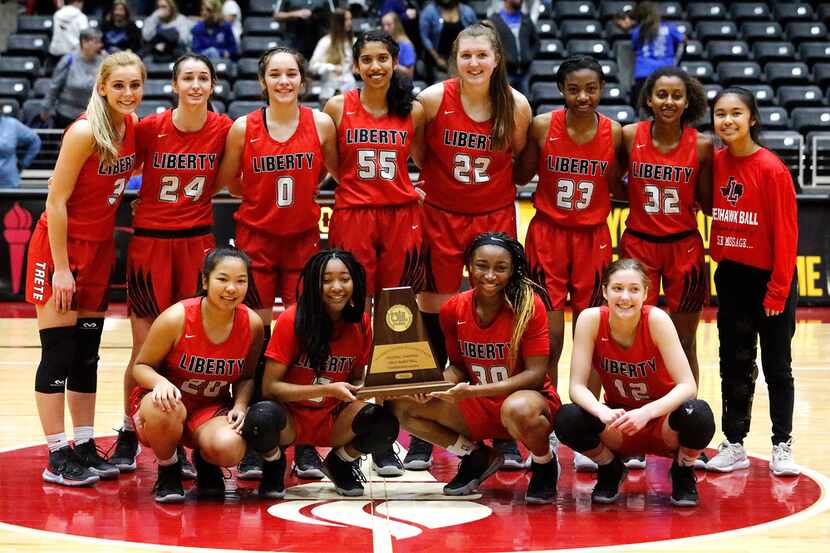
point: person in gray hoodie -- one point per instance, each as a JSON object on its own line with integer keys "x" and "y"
{"x": 73, "y": 79}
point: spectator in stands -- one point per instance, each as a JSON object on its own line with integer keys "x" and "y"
{"x": 119, "y": 30}
{"x": 520, "y": 40}
{"x": 166, "y": 32}
{"x": 67, "y": 24}
{"x": 305, "y": 22}
{"x": 407, "y": 12}
{"x": 213, "y": 36}
{"x": 332, "y": 58}
{"x": 440, "y": 23}
{"x": 656, "y": 44}
{"x": 14, "y": 135}
{"x": 233, "y": 15}
{"x": 391, "y": 23}
{"x": 73, "y": 79}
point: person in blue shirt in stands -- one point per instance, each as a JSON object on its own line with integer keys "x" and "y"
{"x": 213, "y": 36}
{"x": 391, "y": 23}
{"x": 14, "y": 135}
{"x": 656, "y": 44}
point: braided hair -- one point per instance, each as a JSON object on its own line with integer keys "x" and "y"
{"x": 520, "y": 287}
{"x": 312, "y": 325}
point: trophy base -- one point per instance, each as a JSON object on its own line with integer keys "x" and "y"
{"x": 396, "y": 390}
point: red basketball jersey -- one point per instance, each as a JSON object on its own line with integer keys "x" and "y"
{"x": 180, "y": 169}
{"x": 573, "y": 178}
{"x": 483, "y": 351}
{"x": 98, "y": 191}
{"x": 461, "y": 170}
{"x": 661, "y": 187}
{"x": 350, "y": 348}
{"x": 202, "y": 370}
{"x": 632, "y": 376}
{"x": 373, "y": 157}
{"x": 280, "y": 179}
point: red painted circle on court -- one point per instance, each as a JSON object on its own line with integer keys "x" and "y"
{"x": 123, "y": 509}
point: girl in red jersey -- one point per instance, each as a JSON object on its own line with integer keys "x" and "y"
{"x": 476, "y": 124}
{"x": 497, "y": 341}
{"x": 71, "y": 256}
{"x": 669, "y": 179}
{"x": 754, "y": 240}
{"x": 194, "y": 352}
{"x": 316, "y": 359}
{"x": 650, "y": 404}
{"x": 180, "y": 149}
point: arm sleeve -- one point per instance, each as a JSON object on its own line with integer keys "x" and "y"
{"x": 535, "y": 338}
{"x": 283, "y": 344}
{"x": 230, "y": 38}
{"x": 424, "y": 26}
{"x": 407, "y": 55}
{"x": 59, "y": 76}
{"x": 31, "y": 140}
{"x": 199, "y": 40}
{"x": 317, "y": 62}
{"x": 148, "y": 31}
{"x": 784, "y": 235}
{"x": 447, "y": 320}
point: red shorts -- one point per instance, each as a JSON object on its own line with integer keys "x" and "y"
{"x": 569, "y": 261}
{"x": 197, "y": 415}
{"x": 313, "y": 426}
{"x": 679, "y": 263}
{"x": 648, "y": 440}
{"x": 276, "y": 263}
{"x": 447, "y": 235}
{"x": 482, "y": 415}
{"x": 162, "y": 271}
{"x": 91, "y": 264}
{"x": 385, "y": 240}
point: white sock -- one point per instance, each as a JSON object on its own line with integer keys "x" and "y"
{"x": 56, "y": 441}
{"x": 171, "y": 461}
{"x": 82, "y": 434}
{"x": 543, "y": 459}
{"x": 343, "y": 454}
{"x": 274, "y": 456}
{"x": 605, "y": 457}
{"x": 128, "y": 423}
{"x": 462, "y": 446}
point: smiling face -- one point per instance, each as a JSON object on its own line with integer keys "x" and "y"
{"x": 337, "y": 287}
{"x": 625, "y": 293}
{"x": 123, "y": 89}
{"x": 582, "y": 90}
{"x": 476, "y": 60}
{"x": 283, "y": 80}
{"x": 227, "y": 283}
{"x": 193, "y": 83}
{"x": 668, "y": 99}
{"x": 375, "y": 65}
{"x": 490, "y": 270}
{"x": 732, "y": 120}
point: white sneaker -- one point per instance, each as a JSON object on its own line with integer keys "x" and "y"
{"x": 583, "y": 463}
{"x": 782, "y": 463}
{"x": 730, "y": 457}
{"x": 637, "y": 462}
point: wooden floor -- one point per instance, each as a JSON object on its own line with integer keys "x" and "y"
{"x": 19, "y": 353}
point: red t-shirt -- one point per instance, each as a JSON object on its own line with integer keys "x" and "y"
{"x": 201, "y": 369}
{"x": 483, "y": 351}
{"x": 280, "y": 179}
{"x": 661, "y": 187}
{"x": 373, "y": 154}
{"x": 180, "y": 169}
{"x": 573, "y": 178}
{"x": 350, "y": 348}
{"x": 755, "y": 218}
{"x": 461, "y": 171}
{"x": 99, "y": 190}
{"x": 632, "y": 376}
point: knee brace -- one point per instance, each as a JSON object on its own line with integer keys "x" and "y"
{"x": 263, "y": 424}
{"x": 376, "y": 429}
{"x": 694, "y": 423}
{"x": 577, "y": 428}
{"x": 83, "y": 374}
{"x": 56, "y": 358}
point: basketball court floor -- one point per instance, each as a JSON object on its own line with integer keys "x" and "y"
{"x": 746, "y": 511}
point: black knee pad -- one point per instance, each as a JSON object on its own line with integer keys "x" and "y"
{"x": 577, "y": 428}
{"x": 376, "y": 429}
{"x": 263, "y": 424}
{"x": 694, "y": 423}
{"x": 56, "y": 358}
{"x": 83, "y": 374}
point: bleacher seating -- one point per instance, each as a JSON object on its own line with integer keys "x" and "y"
{"x": 749, "y": 11}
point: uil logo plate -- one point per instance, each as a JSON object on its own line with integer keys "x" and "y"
{"x": 399, "y": 318}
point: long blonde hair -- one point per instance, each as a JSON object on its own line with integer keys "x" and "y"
{"x": 98, "y": 111}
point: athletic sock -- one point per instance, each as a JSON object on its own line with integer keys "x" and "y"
{"x": 82, "y": 434}
{"x": 56, "y": 441}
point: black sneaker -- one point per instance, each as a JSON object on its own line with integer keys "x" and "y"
{"x": 513, "y": 459}
{"x": 127, "y": 449}
{"x": 683, "y": 486}
{"x": 609, "y": 479}
{"x": 419, "y": 456}
{"x": 542, "y": 486}
{"x": 272, "y": 485}
{"x": 387, "y": 463}
{"x": 188, "y": 470}
{"x": 90, "y": 457}
{"x": 210, "y": 482}
{"x": 307, "y": 463}
{"x": 65, "y": 469}
{"x": 250, "y": 467}
{"x": 345, "y": 476}
{"x": 474, "y": 469}
{"x": 168, "y": 487}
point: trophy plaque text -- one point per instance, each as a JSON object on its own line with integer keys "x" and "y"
{"x": 402, "y": 362}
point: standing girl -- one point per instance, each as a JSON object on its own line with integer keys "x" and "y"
{"x": 71, "y": 256}
{"x": 755, "y": 279}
